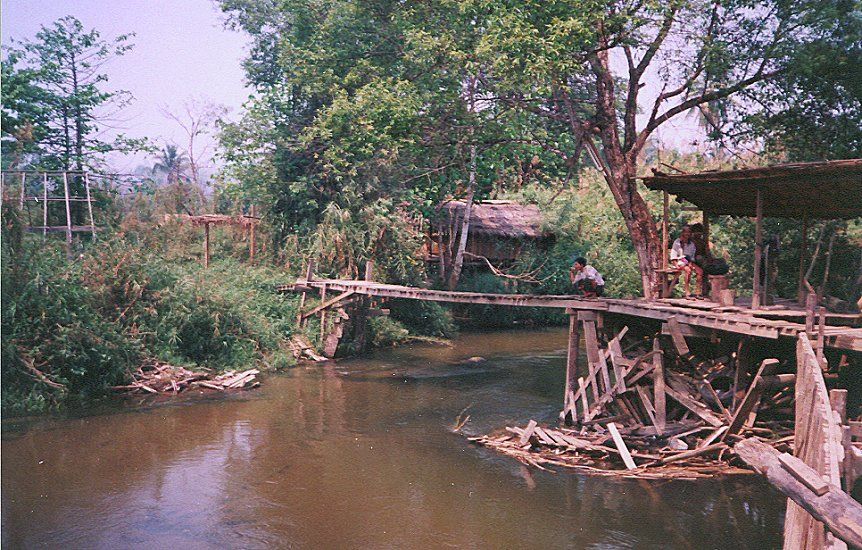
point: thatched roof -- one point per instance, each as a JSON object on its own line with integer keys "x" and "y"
{"x": 827, "y": 189}
{"x": 500, "y": 218}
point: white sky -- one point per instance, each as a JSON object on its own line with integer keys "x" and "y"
{"x": 181, "y": 51}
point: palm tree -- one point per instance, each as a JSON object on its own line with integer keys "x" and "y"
{"x": 172, "y": 164}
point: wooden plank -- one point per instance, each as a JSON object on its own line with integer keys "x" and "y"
{"x": 647, "y": 405}
{"x": 658, "y": 386}
{"x": 837, "y": 510}
{"x": 572, "y": 358}
{"x": 68, "y": 213}
{"x": 804, "y": 474}
{"x": 528, "y": 433}
{"x": 712, "y": 437}
{"x": 328, "y": 304}
{"x": 692, "y": 453}
{"x": 621, "y": 447}
{"x": 585, "y": 405}
{"x": 751, "y": 399}
{"x": 676, "y": 336}
{"x": 680, "y": 393}
{"x": 592, "y": 344}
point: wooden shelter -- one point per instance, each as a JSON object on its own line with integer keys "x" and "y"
{"x": 247, "y": 223}
{"x": 499, "y": 229}
{"x": 803, "y": 191}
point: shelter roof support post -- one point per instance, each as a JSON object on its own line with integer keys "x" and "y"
{"x": 758, "y": 251}
{"x": 23, "y": 184}
{"x": 803, "y": 251}
{"x": 665, "y": 289}
{"x": 206, "y": 245}
{"x": 45, "y": 205}
{"x": 251, "y": 235}
{"x": 90, "y": 204}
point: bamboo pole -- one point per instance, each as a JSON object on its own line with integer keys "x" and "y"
{"x": 68, "y": 215}
{"x": 251, "y": 237}
{"x": 658, "y": 387}
{"x": 45, "y": 205}
{"x": 90, "y": 205}
{"x": 758, "y": 250}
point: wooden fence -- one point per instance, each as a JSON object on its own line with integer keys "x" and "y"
{"x": 817, "y": 443}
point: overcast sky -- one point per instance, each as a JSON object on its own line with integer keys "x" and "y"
{"x": 181, "y": 51}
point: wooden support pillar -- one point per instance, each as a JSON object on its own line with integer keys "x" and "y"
{"x": 810, "y": 308}
{"x": 206, "y": 245}
{"x": 322, "y": 315}
{"x": 68, "y": 215}
{"x": 90, "y": 205}
{"x": 821, "y": 336}
{"x": 803, "y": 252}
{"x": 23, "y": 185}
{"x": 658, "y": 386}
{"x": 251, "y": 238}
{"x": 44, "y": 205}
{"x": 309, "y": 273}
{"x": 360, "y": 334}
{"x": 571, "y": 364}
{"x": 664, "y": 229}
{"x": 758, "y": 250}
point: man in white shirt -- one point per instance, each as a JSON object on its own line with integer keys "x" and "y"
{"x": 682, "y": 255}
{"x": 586, "y": 279}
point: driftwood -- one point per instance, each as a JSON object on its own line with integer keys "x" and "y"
{"x": 155, "y": 377}
{"x": 834, "y": 508}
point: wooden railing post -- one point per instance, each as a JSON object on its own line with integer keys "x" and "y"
{"x": 571, "y": 365}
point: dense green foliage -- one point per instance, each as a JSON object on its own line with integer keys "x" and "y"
{"x": 78, "y": 328}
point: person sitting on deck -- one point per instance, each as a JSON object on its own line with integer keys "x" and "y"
{"x": 587, "y": 280}
{"x": 682, "y": 259}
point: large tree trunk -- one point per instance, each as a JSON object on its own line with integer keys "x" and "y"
{"x": 620, "y": 171}
{"x": 458, "y": 262}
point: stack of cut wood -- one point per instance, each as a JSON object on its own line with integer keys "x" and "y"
{"x": 155, "y": 377}
{"x": 655, "y": 412}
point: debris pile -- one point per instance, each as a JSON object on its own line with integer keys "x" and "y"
{"x": 658, "y": 413}
{"x": 155, "y": 377}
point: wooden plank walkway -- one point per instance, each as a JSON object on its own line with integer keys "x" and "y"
{"x": 693, "y": 316}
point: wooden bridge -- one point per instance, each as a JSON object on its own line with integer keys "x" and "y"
{"x": 695, "y": 317}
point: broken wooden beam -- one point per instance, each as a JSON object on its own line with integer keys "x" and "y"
{"x": 751, "y": 399}
{"x": 329, "y": 303}
{"x": 837, "y": 510}
{"x": 621, "y": 447}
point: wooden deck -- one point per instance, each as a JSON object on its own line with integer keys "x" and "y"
{"x": 696, "y": 317}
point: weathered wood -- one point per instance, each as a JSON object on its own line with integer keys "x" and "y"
{"x": 676, "y": 336}
{"x": 621, "y": 446}
{"x": 206, "y": 245}
{"x": 692, "y": 453}
{"x": 89, "y": 203}
{"x": 647, "y": 406}
{"x": 251, "y": 240}
{"x": 328, "y": 304}
{"x": 584, "y": 403}
{"x": 592, "y": 345}
{"x": 837, "y": 511}
{"x": 804, "y": 474}
{"x": 758, "y": 249}
{"x": 707, "y": 441}
{"x": 323, "y": 314}
{"x": 528, "y": 432}
{"x": 658, "y": 386}
{"x": 751, "y": 399}
{"x": 44, "y": 204}
{"x": 571, "y": 361}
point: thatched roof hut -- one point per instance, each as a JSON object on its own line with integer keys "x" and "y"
{"x": 500, "y": 218}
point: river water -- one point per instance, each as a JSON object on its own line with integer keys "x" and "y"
{"x": 358, "y": 454}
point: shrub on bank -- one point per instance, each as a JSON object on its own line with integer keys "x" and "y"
{"x": 78, "y": 328}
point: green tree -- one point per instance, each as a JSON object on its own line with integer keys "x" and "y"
{"x": 65, "y": 63}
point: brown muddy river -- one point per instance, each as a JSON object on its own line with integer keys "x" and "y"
{"x": 357, "y": 454}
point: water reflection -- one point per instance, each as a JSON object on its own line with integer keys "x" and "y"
{"x": 356, "y": 455}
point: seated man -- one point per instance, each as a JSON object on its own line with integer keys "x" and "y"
{"x": 586, "y": 279}
{"x": 682, "y": 255}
